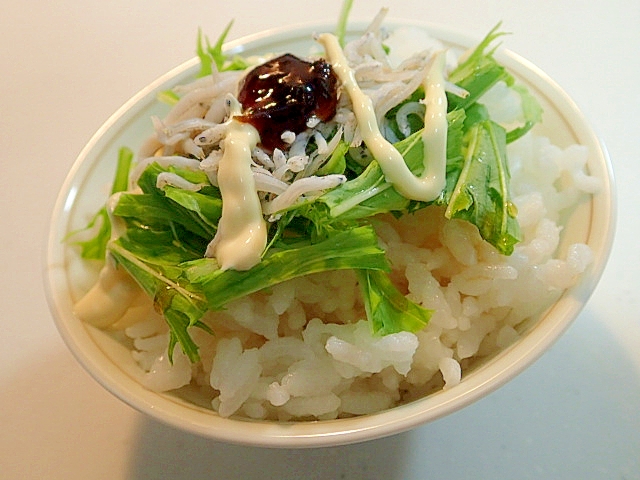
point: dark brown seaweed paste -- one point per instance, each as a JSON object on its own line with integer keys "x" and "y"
{"x": 284, "y": 93}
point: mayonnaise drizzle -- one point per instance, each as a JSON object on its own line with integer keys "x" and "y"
{"x": 109, "y": 298}
{"x": 432, "y": 181}
{"x": 115, "y": 290}
{"x": 242, "y": 230}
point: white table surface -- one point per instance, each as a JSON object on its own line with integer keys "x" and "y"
{"x": 65, "y": 66}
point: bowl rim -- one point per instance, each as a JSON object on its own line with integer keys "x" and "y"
{"x": 487, "y": 378}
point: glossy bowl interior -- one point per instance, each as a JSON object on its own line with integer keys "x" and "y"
{"x": 109, "y": 361}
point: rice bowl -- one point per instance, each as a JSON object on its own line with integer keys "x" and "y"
{"x": 518, "y": 340}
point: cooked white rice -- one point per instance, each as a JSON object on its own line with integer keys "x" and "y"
{"x": 303, "y": 350}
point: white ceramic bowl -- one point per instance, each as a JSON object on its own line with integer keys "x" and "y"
{"x": 110, "y": 363}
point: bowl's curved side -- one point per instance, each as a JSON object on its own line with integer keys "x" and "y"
{"x": 108, "y": 361}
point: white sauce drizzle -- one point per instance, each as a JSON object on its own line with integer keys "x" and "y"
{"x": 242, "y": 231}
{"x": 114, "y": 292}
{"x": 432, "y": 181}
{"x": 109, "y": 298}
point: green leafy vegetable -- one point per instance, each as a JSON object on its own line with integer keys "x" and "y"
{"x": 213, "y": 55}
{"x": 95, "y": 248}
{"x": 341, "y": 28}
{"x": 388, "y": 310}
{"x": 532, "y": 113}
{"x": 369, "y": 194}
{"x": 337, "y": 162}
{"x": 355, "y": 248}
{"x": 159, "y": 277}
{"x": 481, "y": 194}
{"x": 169, "y": 97}
{"x": 478, "y": 72}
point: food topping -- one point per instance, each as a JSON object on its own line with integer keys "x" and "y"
{"x": 242, "y": 234}
{"x": 428, "y": 186}
{"x": 283, "y": 94}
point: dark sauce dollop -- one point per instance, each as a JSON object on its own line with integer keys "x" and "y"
{"x": 284, "y": 93}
